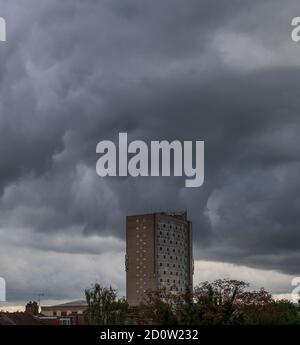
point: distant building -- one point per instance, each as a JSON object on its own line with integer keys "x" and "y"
{"x": 158, "y": 254}
{"x": 71, "y": 313}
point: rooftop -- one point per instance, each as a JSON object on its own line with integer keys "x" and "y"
{"x": 18, "y": 319}
{"x": 77, "y": 303}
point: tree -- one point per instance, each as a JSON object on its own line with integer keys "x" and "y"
{"x": 281, "y": 312}
{"x": 220, "y": 302}
{"x": 223, "y": 302}
{"x": 217, "y": 301}
{"x": 159, "y": 307}
{"x": 104, "y": 308}
{"x": 187, "y": 311}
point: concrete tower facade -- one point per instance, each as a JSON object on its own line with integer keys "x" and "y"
{"x": 158, "y": 254}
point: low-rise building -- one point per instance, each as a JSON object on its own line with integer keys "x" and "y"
{"x": 70, "y": 313}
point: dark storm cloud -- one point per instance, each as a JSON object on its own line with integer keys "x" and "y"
{"x": 73, "y": 73}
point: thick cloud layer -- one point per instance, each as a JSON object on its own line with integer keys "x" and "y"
{"x": 73, "y": 73}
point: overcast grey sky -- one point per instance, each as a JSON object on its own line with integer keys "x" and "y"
{"x": 75, "y": 72}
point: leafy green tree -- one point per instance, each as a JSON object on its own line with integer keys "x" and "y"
{"x": 104, "y": 308}
{"x": 159, "y": 307}
{"x": 281, "y": 312}
{"x": 187, "y": 311}
{"x": 222, "y": 301}
{"x": 217, "y": 301}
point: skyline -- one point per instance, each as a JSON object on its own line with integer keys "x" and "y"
{"x": 204, "y": 271}
{"x": 73, "y": 73}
